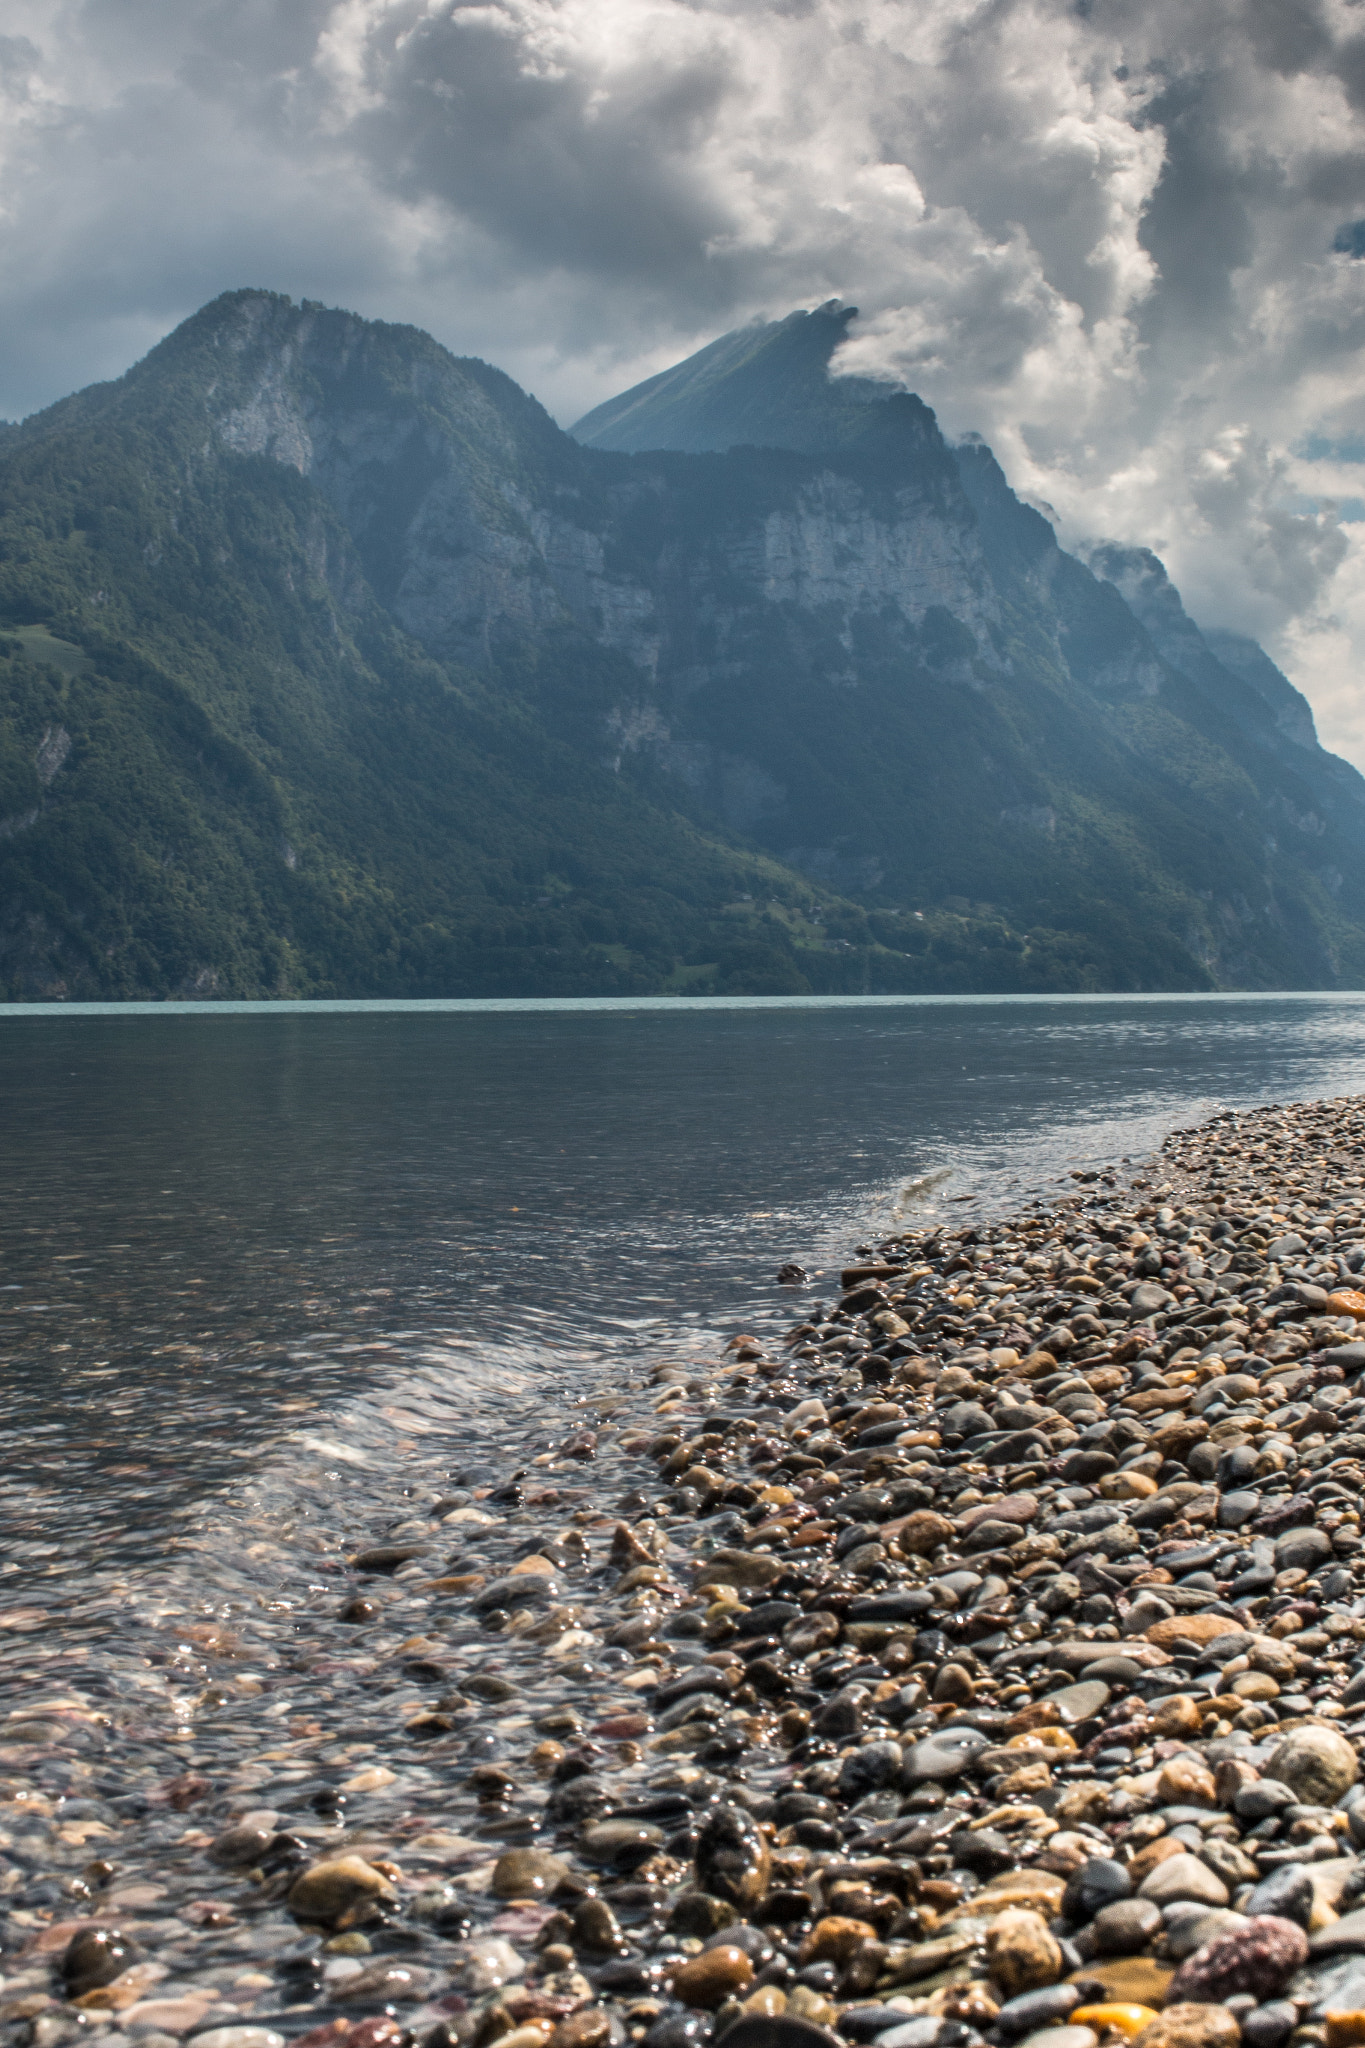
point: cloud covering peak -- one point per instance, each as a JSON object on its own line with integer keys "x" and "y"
{"x": 1125, "y": 242}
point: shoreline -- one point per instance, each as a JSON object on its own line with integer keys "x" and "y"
{"x": 851, "y": 1674}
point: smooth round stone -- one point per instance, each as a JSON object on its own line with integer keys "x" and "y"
{"x": 523, "y": 1589}
{"x": 1189, "y": 1926}
{"x": 237, "y": 1848}
{"x": 1183, "y": 1877}
{"x": 1259, "y": 1801}
{"x": 1098, "y": 1883}
{"x": 1269, "y": 2026}
{"x": 1062, "y": 2037}
{"x": 921, "y": 2032}
{"x": 1287, "y": 1894}
{"x": 1036, "y": 2010}
{"x": 528, "y": 1873}
{"x": 733, "y": 1860}
{"x": 94, "y": 1957}
{"x": 941, "y": 1757}
{"x": 869, "y": 1769}
{"x": 240, "y": 2037}
{"x": 708, "y": 1979}
{"x": 1302, "y": 1550}
{"x": 1317, "y": 1765}
{"x": 597, "y": 1927}
{"x": 1080, "y": 1702}
{"x": 1126, "y": 1927}
{"x": 330, "y": 1888}
{"x": 1193, "y": 2026}
{"x": 624, "y": 1844}
{"x": 1113, "y": 1671}
{"x": 752, "y": 1940}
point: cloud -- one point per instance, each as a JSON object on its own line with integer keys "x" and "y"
{"x": 1123, "y": 241}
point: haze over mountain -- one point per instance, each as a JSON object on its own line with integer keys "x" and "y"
{"x": 333, "y": 665}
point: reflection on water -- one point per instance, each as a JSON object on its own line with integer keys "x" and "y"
{"x": 235, "y": 1243}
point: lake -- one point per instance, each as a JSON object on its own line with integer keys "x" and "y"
{"x": 238, "y": 1239}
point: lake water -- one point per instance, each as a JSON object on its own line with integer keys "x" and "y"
{"x": 238, "y": 1239}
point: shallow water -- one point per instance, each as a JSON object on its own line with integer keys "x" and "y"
{"x": 248, "y": 1253}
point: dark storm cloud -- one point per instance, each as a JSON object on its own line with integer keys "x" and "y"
{"x": 1121, "y": 241}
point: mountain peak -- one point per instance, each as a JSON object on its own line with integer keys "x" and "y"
{"x": 764, "y": 385}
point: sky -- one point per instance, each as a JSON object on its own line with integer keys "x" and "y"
{"x": 1122, "y": 239}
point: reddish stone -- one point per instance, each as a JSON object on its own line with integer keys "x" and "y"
{"x": 1259, "y": 1958}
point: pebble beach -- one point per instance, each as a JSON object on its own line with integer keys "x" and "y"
{"x": 982, "y": 1662}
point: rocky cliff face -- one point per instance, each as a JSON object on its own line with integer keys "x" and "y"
{"x": 807, "y": 621}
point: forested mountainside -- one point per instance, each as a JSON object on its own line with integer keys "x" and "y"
{"x": 332, "y": 665}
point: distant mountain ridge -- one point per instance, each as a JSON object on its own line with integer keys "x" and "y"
{"x": 331, "y": 665}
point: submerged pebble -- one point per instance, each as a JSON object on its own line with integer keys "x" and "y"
{"x": 983, "y": 1664}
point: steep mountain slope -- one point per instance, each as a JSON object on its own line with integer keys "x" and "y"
{"x": 333, "y": 665}
{"x": 223, "y": 768}
{"x": 1176, "y": 789}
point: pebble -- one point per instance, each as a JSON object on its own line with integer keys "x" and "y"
{"x": 1258, "y": 1957}
{"x": 1126, "y": 1927}
{"x": 331, "y": 1889}
{"x": 712, "y": 1977}
{"x": 1191, "y": 2026}
{"x": 1184, "y": 1876}
{"x": 1021, "y": 1953}
{"x": 1316, "y": 1763}
{"x": 732, "y": 1858}
{"x": 997, "y": 1630}
{"x": 527, "y": 1874}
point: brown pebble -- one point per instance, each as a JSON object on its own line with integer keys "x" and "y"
{"x": 527, "y": 1874}
{"x": 954, "y": 1686}
{"x": 589, "y": 2027}
{"x": 1021, "y": 1954}
{"x": 1175, "y": 1716}
{"x": 833, "y": 1939}
{"x": 712, "y": 1976}
{"x": 1146, "y": 1859}
{"x": 1191, "y": 2026}
{"x": 1186, "y": 1781}
{"x": 335, "y": 1887}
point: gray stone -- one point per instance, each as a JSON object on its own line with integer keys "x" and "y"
{"x": 1269, "y": 2026}
{"x": 944, "y": 1756}
{"x": 1146, "y": 1299}
{"x": 1080, "y": 1702}
{"x": 1098, "y": 1883}
{"x": 1302, "y": 1550}
{"x": 870, "y": 1768}
{"x": 1236, "y": 1509}
{"x": 1189, "y": 1926}
{"x": 1316, "y": 1763}
{"x": 1125, "y": 1928}
{"x": 520, "y": 1589}
{"x": 1329, "y": 1983}
{"x": 1259, "y": 1801}
{"x": 1344, "y": 1937}
{"x": 1183, "y": 1877}
{"x": 1034, "y": 2009}
{"x": 1063, "y": 2037}
{"x": 1290, "y": 1246}
{"x": 1287, "y": 1892}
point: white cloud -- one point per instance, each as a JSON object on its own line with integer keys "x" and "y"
{"x": 1098, "y": 231}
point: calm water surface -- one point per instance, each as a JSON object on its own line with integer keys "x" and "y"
{"x": 235, "y": 1243}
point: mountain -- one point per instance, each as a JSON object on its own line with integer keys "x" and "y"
{"x": 332, "y": 666}
{"x": 1157, "y": 760}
